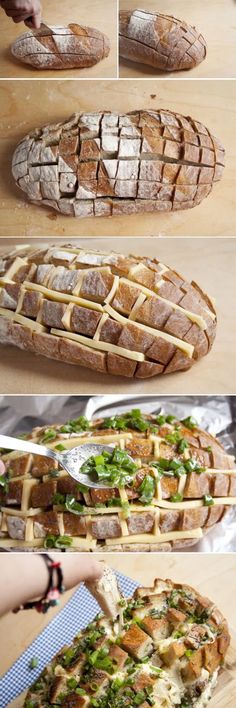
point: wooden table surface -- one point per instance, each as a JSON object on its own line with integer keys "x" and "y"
{"x": 216, "y": 20}
{"x": 213, "y": 575}
{"x": 25, "y": 106}
{"x": 94, "y": 13}
{"x": 211, "y": 263}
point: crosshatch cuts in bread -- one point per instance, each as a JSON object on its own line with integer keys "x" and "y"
{"x": 160, "y": 40}
{"x": 105, "y": 164}
{"x": 61, "y": 47}
{"x": 167, "y": 652}
{"x": 184, "y": 485}
{"x": 119, "y": 315}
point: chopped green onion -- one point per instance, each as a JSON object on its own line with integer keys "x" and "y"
{"x": 147, "y": 490}
{"x": 208, "y": 500}
{"x": 34, "y": 662}
{"x": 60, "y": 447}
{"x": 72, "y": 505}
{"x": 189, "y": 422}
{"x": 176, "y": 497}
{"x": 48, "y": 435}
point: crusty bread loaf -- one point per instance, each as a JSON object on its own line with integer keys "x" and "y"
{"x": 160, "y": 40}
{"x": 165, "y": 506}
{"x": 61, "y": 47}
{"x": 115, "y": 314}
{"x": 104, "y": 164}
{"x": 168, "y": 653}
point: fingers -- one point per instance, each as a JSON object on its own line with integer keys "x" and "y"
{"x": 2, "y": 468}
{"x": 34, "y": 21}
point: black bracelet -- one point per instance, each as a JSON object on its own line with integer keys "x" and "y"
{"x": 52, "y": 593}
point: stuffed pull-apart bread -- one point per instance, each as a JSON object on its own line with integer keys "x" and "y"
{"x": 119, "y": 315}
{"x": 165, "y": 648}
{"x": 109, "y": 164}
{"x": 178, "y": 484}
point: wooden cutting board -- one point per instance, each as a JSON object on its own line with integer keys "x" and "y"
{"x": 26, "y": 105}
{"x": 224, "y": 695}
{"x": 215, "y": 20}
{"x": 96, "y": 13}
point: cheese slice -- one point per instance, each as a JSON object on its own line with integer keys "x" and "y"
{"x": 63, "y": 297}
{"x": 101, "y": 346}
{"x": 191, "y": 315}
{"x": 159, "y": 538}
{"x": 195, "y": 503}
{"x": 188, "y": 349}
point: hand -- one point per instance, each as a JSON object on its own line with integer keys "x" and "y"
{"x": 25, "y": 577}
{"x": 23, "y": 11}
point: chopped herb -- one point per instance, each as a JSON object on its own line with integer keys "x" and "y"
{"x": 80, "y": 691}
{"x": 176, "y": 497}
{"x": 173, "y": 438}
{"x": 134, "y": 420}
{"x": 60, "y": 447}
{"x": 208, "y": 448}
{"x": 115, "y": 467}
{"x": 78, "y": 425}
{"x": 4, "y": 482}
{"x": 72, "y": 505}
{"x": 208, "y": 500}
{"x": 58, "y": 498}
{"x": 71, "y": 682}
{"x": 48, "y": 435}
{"x": 147, "y": 490}
{"x": 52, "y": 541}
{"x": 188, "y": 652}
{"x": 34, "y": 662}
{"x": 182, "y": 445}
{"x": 189, "y": 422}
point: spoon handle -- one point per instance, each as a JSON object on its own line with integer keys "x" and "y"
{"x": 26, "y": 446}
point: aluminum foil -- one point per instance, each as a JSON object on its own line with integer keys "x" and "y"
{"x": 216, "y": 414}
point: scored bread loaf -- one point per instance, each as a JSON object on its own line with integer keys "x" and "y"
{"x": 61, "y": 47}
{"x": 160, "y": 40}
{"x": 183, "y": 486}
{"x": 116, "y": 314}
{"x": 105, "y": 164}
{"x": 168, "y": 653}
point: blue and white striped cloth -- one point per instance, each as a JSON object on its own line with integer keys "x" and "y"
{"x": 76, "y": 614}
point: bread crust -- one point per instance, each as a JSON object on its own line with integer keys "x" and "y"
{"x": 181, "y": 510}
{"x": 160, "y": 40}
{"x": 120, "y": 315}
{"x": 109, "y": 164}
{"x": 159, "y": 624}
{"x": 68, "y": 47}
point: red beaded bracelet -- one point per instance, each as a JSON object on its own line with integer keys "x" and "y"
{"x": 52, "y": 594}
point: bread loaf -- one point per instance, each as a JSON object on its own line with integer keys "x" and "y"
{"x": 183, "y": 485}
{"x": 182, "y": 636}
{"x": 103, "y": 164}
{"x": 61, "y": 47}
{"x": 115, "y": 314}
{"x": 160, "y": 40}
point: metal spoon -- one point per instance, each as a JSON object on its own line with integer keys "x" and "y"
{"x": 70, "y": 461}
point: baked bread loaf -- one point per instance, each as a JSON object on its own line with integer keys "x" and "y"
{"x": 61, "y": 47}
{"x": 182, "y": 485}
{"x": 119, "y": 315}
{"x": 104, "y": 164}
{"x": 160, "y": 40}
{"x": 168, "y": 653}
